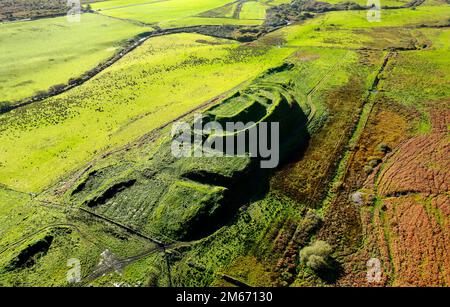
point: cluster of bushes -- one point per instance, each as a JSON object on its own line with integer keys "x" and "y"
{"x": 374, "y": 161}
{"x": 21, "y": 9}
{"x": 318, "y": 257}
{"x": 247, "y": 34}
{"x": 239, "y": 33}
{"x": 303, "y": 9}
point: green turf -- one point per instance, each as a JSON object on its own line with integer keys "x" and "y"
{"x": 39, "y": 54}
{"x": 162, "y": 11}
{"x": 137, "y": 94}
{"x": 192, "y": 21}
{"x": 430, "y": 15}
{"x": 253, "y": 10}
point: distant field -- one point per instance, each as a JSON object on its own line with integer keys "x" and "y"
{"x": 382, "y": 2}
{"x": 158, "y": 11}
{"x": 160, "y": 80}
{"x": 180, "y": 13}
{"x": 430, "y": 15}
{"x": 253, "y": 10}
{"x": 192, "y": 21}
{"x": 60, "y": 50}
{"x": 113, "y": 4}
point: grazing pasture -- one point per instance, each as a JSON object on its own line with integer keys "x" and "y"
{"x": 42, "y": 53}
{"x": 159, "y": 81}
{"x": 253, "y": 10}
{"x": 184, "y": 13}
{"x": 157, "y": 11}
{"x": 429, "y": 15}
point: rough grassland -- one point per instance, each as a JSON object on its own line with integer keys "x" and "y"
{"x": 162, "y": 79}
{"x": 430, "y": 15}
{"x": 38, "y": 54}
{"x": 390, "y": 3}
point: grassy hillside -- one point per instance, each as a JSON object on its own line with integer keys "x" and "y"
{"x": 133, "y": 97}
{"x": 363, "y": 111}
{"x": 42, "y": 53}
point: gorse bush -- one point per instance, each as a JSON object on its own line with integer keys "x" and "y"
{"x": 317, "y": 256}
{"x": 317, "y": 263}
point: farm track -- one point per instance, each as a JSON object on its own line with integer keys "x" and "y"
{"x": 358, "y": 128}
{"x": 311, "y": 117}
{"x": 7, "y": 188}
{"x": 237, "y": 11}
{"x": 116, "y": 265}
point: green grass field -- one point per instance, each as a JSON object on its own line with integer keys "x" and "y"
{"x": 253, "y": 10}
{"x": 159, "y": 11}
{"x": 77, "y": 178}
{"x": 430, "y": 15}
{"x": 165, "y": 77}
{"x": 60, "y": 50}
{"x": 192, "y": 21}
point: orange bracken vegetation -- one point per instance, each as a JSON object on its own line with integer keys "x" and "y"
{"x": 413, "y": 217}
